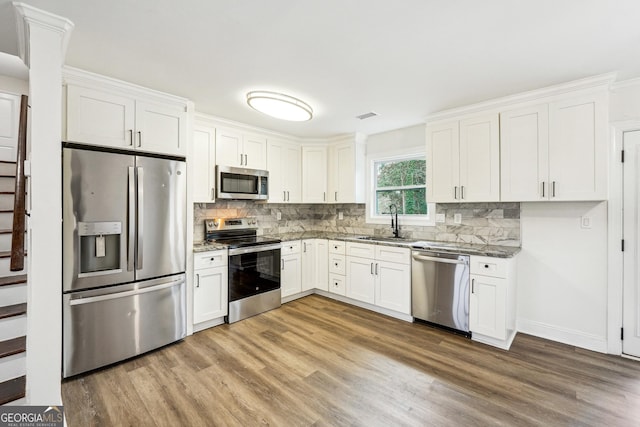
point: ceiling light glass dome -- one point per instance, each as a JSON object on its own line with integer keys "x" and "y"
{"x": 280, "y": 106}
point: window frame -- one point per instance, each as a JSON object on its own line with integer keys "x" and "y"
{"x": 371, "y": 216}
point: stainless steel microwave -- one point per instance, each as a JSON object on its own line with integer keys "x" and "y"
{"x": 242, "y": 183}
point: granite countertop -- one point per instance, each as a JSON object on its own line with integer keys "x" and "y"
{"x": 452, "y": 247}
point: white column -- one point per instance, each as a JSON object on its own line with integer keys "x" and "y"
{"x": 43, "y": 38}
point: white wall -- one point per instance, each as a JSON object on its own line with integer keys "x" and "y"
{"x": 397, "y": 140}
{"x": 562, "y": 273}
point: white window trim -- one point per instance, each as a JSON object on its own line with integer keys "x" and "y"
{"x": 428, "y": 220}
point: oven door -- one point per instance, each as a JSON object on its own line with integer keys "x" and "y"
{"x": 253, "y": 270}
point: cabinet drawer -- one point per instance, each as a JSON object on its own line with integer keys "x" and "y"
{"x": 336, "y": 247}
{"x": 337, "y": 284}
{"x": 488, "y": 266}
{"x": 361, "y": 250}
{"x": 393, "y": 254}
{"x": 292, "y": 247}
{"x": 336, "y": 264}
{"x": 209, "y": 259}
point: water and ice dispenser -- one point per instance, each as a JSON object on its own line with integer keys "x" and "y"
{"x": 99, "y": 248}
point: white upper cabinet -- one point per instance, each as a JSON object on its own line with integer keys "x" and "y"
{"x": 314, "y": 174}
{"x": 524, "y": 144}
{"x": 112, "y": 117}
{"x": 578, "y": 148}
{"x": 283, "y": 164}
{"x": 202, "y": 164}
{"x": 233, "y": 148}
{"x": 463, "y": 160}
{"x": 347, "y": 171}
{"x": 555, "y": 151}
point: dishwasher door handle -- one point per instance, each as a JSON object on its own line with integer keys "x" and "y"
{"x": 436, "y": 259}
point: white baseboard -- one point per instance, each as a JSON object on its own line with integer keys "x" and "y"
{"x": 296, "y": 296}
{"x": 367, "y": 306}
{"x": 563, "y": 335}
{"x": 208, "y": 324}
{"x": 503, "y": 344}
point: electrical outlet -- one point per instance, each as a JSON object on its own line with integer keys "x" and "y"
{"x": 279, "y": 216}
{"x": 585, "y": 222}
{"x": 340, "y": 215}
{"x": 457, "y": 218}
{"x": 440, "y": 218}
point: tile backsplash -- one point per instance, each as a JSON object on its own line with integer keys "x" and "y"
{"x": 482, "y": 223}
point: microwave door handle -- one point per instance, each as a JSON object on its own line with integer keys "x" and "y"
{"x": 131, "y": 221}
{"x": 140, "y": 216}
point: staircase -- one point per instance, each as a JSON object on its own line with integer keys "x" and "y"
{"x": 13, "y": 278}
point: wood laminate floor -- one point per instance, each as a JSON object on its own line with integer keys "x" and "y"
{"x": 319, "y": 362}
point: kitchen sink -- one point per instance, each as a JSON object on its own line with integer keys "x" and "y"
{"x": 383, "y": 239}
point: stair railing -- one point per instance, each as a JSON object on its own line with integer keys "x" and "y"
{"x": 19, "y": 212}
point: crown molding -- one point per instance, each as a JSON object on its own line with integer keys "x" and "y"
{"x": 601, "y": 81}
{"x": 28, "y": 17}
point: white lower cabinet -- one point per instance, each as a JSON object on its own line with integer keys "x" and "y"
{"x": 492, "y": 304}
{"x": 379, "y": 275}
{"x": 315, "y": 273}
{"x": 210, "y": 287}
{"x": 290, "y": 269}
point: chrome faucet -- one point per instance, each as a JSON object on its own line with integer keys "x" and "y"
{"x": 394, "y": 224}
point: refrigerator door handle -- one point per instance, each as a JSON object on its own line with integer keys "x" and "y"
{"x": 131, "y": 228}
{"x": 98, "y": 298}
{"x": 140, "y": 217}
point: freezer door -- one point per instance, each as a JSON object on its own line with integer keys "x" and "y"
{"x": 161, "y": 213}
{"x": 112, "y": 324}
{"x": 96, "y": 203}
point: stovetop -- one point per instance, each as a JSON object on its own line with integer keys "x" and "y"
{"x": 235, "y": 232}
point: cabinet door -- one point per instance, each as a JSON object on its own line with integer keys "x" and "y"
{"x": 290, "y": 279}
{"x": 9, "y": 123}
{"x": 393, "y": 286}
{"x": 524, "y": 145}
{"x": 487, "y": 306}
{"x": 100, "y": 118}
{"x": 228, "y": 148}
{"x": 291, "y": 163}
{"x": 480, "y": 159}
{"x": 360, "y": 279}
{"x": 161, "y": 129}
{"x": 276, "y": 167}
{"x": 314, "y": 174}
{"x": 443, "y": 163}
{"x": 322, "y": 264}
{"x": 255, "y": 151}
{"x": 342, "y": 174}
{"x": 203, "y": 164}
{"x": 578, "y": 148}
{"x": 308, "y": 265}
{"x": 210, "y": 299}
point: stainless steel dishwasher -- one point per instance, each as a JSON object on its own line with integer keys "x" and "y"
{"x": 440, "y": 289}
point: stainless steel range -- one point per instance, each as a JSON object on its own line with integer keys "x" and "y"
{"x": 254, "y": 266}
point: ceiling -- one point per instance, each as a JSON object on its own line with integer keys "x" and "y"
{"x": 403, "y": 59}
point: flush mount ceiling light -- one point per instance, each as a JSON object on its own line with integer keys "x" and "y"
{"x": 280, "y": 106}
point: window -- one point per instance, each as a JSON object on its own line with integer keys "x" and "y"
{"x": 400, "y": 181}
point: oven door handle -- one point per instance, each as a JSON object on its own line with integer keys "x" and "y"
{"x": 252, "y": 249}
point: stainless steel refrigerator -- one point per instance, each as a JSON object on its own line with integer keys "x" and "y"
{"x": 124, "y": 219}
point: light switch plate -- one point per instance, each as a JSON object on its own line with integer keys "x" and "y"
{"x": 440, "y": 218}
{"x": 457, "y": 218}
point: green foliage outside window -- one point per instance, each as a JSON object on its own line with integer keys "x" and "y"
{"x": 401, "y": 183}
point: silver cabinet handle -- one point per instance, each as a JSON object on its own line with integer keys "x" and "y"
{"x": 376, "y": 268}
{"x": 213, "y": 193}
{"x": 139, "y": 139}
{"x": 462, "y": 192}
{"x": 336, "y": 196}
{"x": 241, "y": 159}
{"x": 542, "y": 188}
{"x": 288, "y": 195}
{"x": 473, "y": 284}
{"x": 140, "y": 216}
{"x": 281, "y": 264}
{"x": 284, "y": 196}
{"x": 372, "y": 269}
{"x": 197, "y": 280}
{"x": 131, "y": 224}
{"x": 246, "y": 159}
{"x": 305, "y": 247}
{"x": 553, "y": 194}
{"x": 131, "y": 137}
{"x": 455, "y": 193}
{"x": 324, "y": 196}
